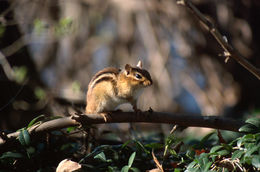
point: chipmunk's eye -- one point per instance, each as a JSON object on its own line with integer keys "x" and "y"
{"x": 138, "y": 76}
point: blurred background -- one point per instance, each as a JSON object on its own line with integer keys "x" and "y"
{"x": 50, "y": 50}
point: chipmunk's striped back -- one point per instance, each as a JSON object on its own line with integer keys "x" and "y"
{"x": 107, "y": 74}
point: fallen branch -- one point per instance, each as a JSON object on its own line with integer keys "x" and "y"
{"x": 126, "y": 117}
{"x": 229, "y": 51}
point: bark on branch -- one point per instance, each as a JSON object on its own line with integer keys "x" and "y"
{"x": 229, "y": 51}
{"x": 126, "y": 117}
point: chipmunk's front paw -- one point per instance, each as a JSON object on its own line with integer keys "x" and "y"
{"x": 106, "y": 116}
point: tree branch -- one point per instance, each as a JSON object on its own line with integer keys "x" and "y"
{"x": 126, "y": 117}
{"x": 229, "y": 51}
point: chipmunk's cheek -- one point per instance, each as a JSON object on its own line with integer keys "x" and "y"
{"x": 136, "y": 84}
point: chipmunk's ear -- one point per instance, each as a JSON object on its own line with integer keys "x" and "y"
{"x": 128, "y": 69}
{"x": 139, "y": 64}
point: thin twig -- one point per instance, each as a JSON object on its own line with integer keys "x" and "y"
{"x": 6, "y": 67}
{"x": 221, "y": 39}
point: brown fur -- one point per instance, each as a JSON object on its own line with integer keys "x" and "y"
{"x": 111, "y": 87}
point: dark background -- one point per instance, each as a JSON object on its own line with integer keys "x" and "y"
{"x": 54, "y": 47}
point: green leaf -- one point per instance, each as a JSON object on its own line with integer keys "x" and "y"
{"x": 97, "y": 150}
{"x": 202, "y": 159}
{"x": 205, "y": 159}
{"x": 223, "y": 152}
{"x": 35, "y": 120}
{"x": 173, "y": 152}
{"x": 11, "y": 155}
{"x": 239, "y": 142}
{"x": 170, "y": 140}
{"x": 140, "y": 145}
{"x": 193, "y": 170}
{"x": 101, "y": 156}
{"x": 134, "y": 169}
{"x": 248, "y": 128}
{"x": 75, "y": 86}
{"x": 237, "y": 154}
{"x": 254, "y": 121}
{"x": 227, "y": 147}
{"x": 24, "y": 137}
{"x": 38, "y": 26}
{"x": 247, "y": 160}
{"x": 233, "y": 142}
{"x": 154, "y": 145}
{"x": 112, "y": 168}
{"x": 191, "y": 165}
{"x": 256, "y": 161}
{"x": 126, "y": 143}
{"x": 20, "y": 73}
{"x": 215, "y": 148}
{"x": 177, "y": 170}
{"x": 64, "y": 27}
{"x": 30, "y": 150}
{"x": 125, "y": 168}
{"x": 131, "y": 159}
{"x": 39, "y": 93}
{"x": 65, "y": 22}
{"x": 190, "y": 153}
{"x": 213, "y": 156}
{"x": 248, "y": 137}
{"x": 21, "y": 138}
{"x": 251, "y": 150}
{"x": 207, "y": 166}
{"x": 69, "y": 129}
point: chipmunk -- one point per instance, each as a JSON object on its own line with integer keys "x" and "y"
{"x": 111, "y": 87}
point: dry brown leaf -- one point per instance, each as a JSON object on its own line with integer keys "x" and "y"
{"x": 159, "y": 166}
{"x": 67, "y": 165}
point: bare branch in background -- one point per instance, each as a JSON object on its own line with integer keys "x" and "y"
{"x": 229, "y": 51}
{"x": 6, "y": 67}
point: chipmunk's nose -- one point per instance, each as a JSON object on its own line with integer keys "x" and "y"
{"x": 151, "y": 82}
{"x": 148, "y": 83}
